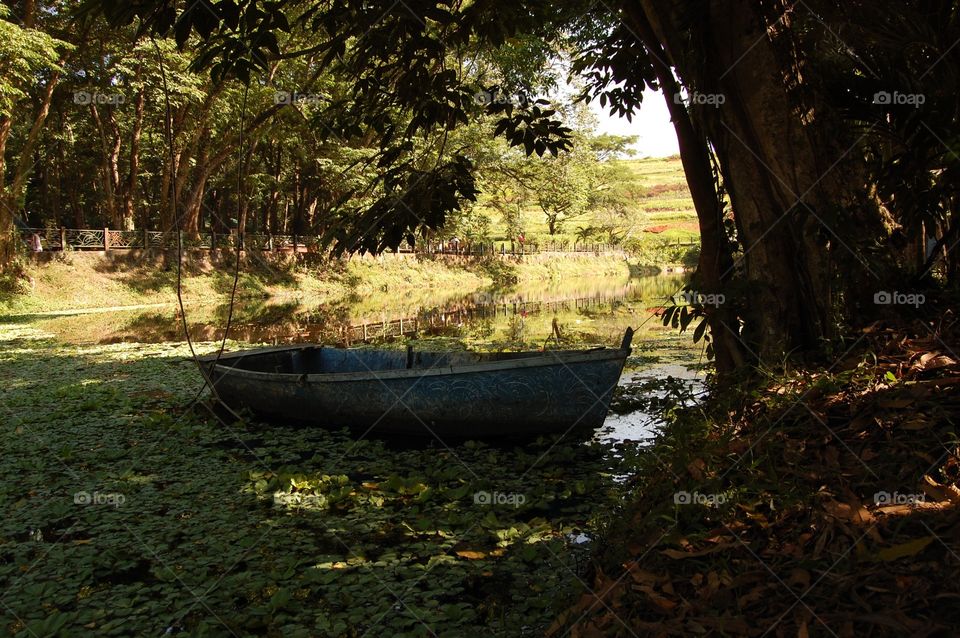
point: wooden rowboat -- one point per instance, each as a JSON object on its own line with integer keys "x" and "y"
{"x": 443, "y": 394}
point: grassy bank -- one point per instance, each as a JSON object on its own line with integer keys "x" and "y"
{"x": 78, "y": 281}
{"x": 825, "y": 504}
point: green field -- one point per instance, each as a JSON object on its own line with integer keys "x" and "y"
{"x": 667, "y": 199}
{"x": 663, "y": 209}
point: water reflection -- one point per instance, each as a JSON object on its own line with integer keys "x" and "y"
{"x": 579, "y": 312}
{"x": 638, "y": 425}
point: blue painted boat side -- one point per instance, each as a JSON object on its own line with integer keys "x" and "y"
{"x": 516, "y": 401}
{"x": 444, "y": 394}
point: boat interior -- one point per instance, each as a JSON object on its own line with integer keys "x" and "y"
{"x": 319, "y": 360}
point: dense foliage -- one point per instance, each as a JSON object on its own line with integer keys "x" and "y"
{"x": 130, "y": 133}
{"x": 360, "y": 121}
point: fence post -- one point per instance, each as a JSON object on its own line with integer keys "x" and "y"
{"x": 63, "y": 238}
{"x": 106, "y": 239}
{"x": 146, "y": 239}
{"x": 270, "y": 246}
{"x": 294, "y": 243}
{"x": 213, "y": 240}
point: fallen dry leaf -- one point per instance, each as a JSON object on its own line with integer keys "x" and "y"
{"x": 933, "y": 361}
{"x": 696, "y": 467}
{"x": 855, "y": 513}
{"x": 940, "y": 492}
{"x": 910, "y": 548}
{"x": 896, "y": 404}
{"x": 639, "y": 575}
{"x": 677, "y": 554}
{"x": 664, "y": 604}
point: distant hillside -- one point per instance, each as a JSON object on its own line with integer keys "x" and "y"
{"x": 666, "y": 207}
{"x": 663, "y": 210}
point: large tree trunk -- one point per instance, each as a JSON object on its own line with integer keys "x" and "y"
{"x": 715, "y": 261}
{"x": 783, "y": 168}
{"x": 11, "y": 197}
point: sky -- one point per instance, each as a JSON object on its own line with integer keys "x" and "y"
{"x": 652, "y": 125}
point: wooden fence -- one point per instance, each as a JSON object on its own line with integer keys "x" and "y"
{"x": 108, "y": 239}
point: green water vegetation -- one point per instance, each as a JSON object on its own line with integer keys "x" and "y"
{"x": 131, "y": 511}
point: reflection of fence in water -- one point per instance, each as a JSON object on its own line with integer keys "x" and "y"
{"x": 440, "y": 319}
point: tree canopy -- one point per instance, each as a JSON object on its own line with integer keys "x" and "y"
{"x": 818, "y": 139}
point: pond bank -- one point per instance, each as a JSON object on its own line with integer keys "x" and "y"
{"x": 828, "y": 503}
{"x": 85, "y": 281}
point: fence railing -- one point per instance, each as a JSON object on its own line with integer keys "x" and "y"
{"x": 108, "y": 239}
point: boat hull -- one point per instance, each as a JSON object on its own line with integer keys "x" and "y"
{"x": 550, "y": 392}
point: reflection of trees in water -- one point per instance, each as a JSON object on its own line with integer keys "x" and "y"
{"x": 649, "y": 288}
{"x": 334, "y": 324}
{"x": 265, "y": 323}
{"x": 481, "y": 317}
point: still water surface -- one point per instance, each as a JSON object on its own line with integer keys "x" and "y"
{"x": 580, "y": 312}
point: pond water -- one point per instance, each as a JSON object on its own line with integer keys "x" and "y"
{"x": 583, "y": 312}
{"x": 303, "y": 531}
